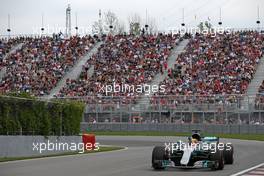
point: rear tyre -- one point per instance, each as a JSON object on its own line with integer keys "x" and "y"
{"x": 157, "y": 156}
{"x": 218, "y": 158}
{"x": 229, "y": 155}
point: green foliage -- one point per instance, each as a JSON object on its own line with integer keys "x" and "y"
{"x": 135, "y": 28}
{"x": 20, "y": 95}
{"x": 205, "y": 26}
{"x": 29, "y": 116}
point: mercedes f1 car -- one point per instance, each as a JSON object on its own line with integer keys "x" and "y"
{"x": 198, "y": 152}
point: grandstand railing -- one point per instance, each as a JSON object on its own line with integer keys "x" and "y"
{"x": 201, "y": 109}
{"x": 171, "y": 101}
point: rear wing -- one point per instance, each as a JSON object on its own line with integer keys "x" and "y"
{"x": 210, "y": 139}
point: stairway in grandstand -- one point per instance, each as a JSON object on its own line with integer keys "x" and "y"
{"x": 254, "y": 86}
{"x": 13, "y": 49}
{"x": 74, "y": 72}
{"x": 145, "y": 99}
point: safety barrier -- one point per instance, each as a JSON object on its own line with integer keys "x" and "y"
{"x": 179, "y": 128}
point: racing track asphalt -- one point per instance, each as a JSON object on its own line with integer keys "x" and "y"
{"x": 135, "y": 160}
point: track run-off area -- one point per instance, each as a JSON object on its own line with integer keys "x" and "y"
{"x": 134, "y": 159}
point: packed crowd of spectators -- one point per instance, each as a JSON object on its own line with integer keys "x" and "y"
{"x": 6, "y": 45}
{"x": 212, "y": 67}
{"x": 41, "y": 63}
{"x": 123, "y": 59}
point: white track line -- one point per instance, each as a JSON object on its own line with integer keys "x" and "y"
{"x": 247, "y": 170}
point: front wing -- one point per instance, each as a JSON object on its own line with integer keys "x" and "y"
{"x": 198, "y": 164}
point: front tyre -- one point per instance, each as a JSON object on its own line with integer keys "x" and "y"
{"x": 158, "y": 154}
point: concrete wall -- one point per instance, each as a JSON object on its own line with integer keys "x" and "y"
{"x": 180, "y": 128}
{"x": 22, "y": 146}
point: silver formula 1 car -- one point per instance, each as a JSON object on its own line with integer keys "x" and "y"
{"x": 198, "y": 152}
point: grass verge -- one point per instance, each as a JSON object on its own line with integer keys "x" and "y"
{"x": 258, "y": 137}
{"x": 102, "y": 149}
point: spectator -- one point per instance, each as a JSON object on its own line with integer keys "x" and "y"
{"x": 41, "y": 63}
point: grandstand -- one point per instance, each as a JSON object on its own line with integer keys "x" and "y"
{"x": 207, "y": 77}
{"x": 205, "y": 83}
{"x": 41, "y": 63}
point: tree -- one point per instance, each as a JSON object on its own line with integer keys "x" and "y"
{"x": 152, "y": 26}
{"x": 108, "y": 24}
{"x": 205, "y": 26}
{"x": 111, "y": 22}
{"x": 121, "y": 28}
{"x": 134, "y": 22}
{"x": 208, "y": 25}
{"x": 201, "y": 26}
{"x": 97, "y": 28}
